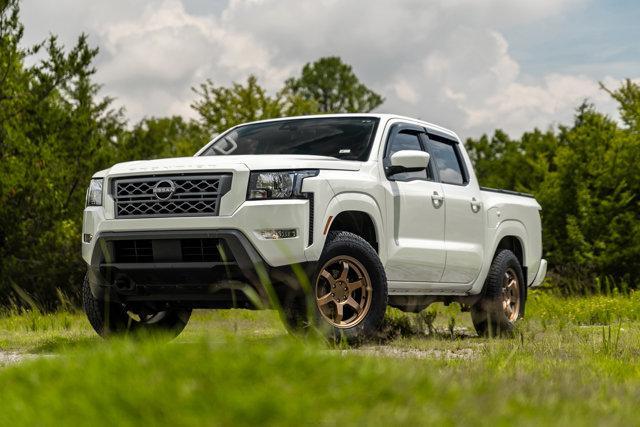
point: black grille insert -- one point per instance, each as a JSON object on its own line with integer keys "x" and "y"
{"x": 130, "y": 251}
{"x": 203, "y": 250}
{"x": 176, "y": 250}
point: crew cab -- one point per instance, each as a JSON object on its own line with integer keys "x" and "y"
{"x": 328, "y": 218}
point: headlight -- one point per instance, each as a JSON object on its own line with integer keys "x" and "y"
{"x": 277, "y": 185}
{"x": 94, "y": 193}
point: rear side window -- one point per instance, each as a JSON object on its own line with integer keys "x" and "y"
{"x": 447, "y": 162}
{"x": 406, "y": 141}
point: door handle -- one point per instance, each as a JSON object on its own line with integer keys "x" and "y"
{"x": 475, "y": 205}
{"x": 437, "y": 199}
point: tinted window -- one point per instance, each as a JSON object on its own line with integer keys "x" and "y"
{"x": 406, "y": 141}
{"x": 446, "y": 161}
{"x": 347, "y": 138}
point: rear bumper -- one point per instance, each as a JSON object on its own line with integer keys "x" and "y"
{"x": 540, "y": 275}
{"x": 195, "y": 268}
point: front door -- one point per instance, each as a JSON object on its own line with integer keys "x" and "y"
{"x": 414, "y": 205}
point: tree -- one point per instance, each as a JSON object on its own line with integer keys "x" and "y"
{"x": 628, "y": 97}
{"x": 222, "y": 107}
{"x": 325, "y": 86}
{"x": 162, "y": 137}
{"x": 593, "y": 212}
{"x": 54, "y": 133}
{"x": 517, "y": 164}
{"x": 584, "y": 176}
{"x": 334, "y": 86}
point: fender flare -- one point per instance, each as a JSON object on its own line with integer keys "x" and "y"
{"x": 350, "y": 201}
{"x": 512, "y": 228}
{"x": 506, "y": 228}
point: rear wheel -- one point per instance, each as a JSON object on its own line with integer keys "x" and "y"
{"x": 349, "y": 291}
{"x": 502, "y": 304}
{"x": 110, "y": 318}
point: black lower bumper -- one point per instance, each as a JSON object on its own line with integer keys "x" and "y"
{"x": 197, "y": 269}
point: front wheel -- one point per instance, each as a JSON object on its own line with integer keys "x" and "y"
{"x": 502, "y": 304}
{"x": 110, "y": 318}
{"x": 349, "y": 291}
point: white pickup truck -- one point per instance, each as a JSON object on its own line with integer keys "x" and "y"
{"x": 329, "y": 218}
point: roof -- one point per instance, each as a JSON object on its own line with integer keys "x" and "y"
{"x": 381, "y": 116}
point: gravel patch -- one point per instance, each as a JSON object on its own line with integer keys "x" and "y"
{"x": 414, "y": 353}
{"x": 11, "y": 358}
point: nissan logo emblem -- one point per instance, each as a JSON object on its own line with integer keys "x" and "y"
{"x": 164, "y": 189}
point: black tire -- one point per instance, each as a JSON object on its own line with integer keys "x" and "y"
{"x": 489, "y": 314}
{"x": 296, "y": 312}
{"x": 109, "y": 318}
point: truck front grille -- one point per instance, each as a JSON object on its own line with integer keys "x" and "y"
{"x": 158, "y": 196}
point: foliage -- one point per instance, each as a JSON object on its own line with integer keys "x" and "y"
{"x": 333, "y": 85}
{"x": 628, "y": 97}
{"x": 54, "y": 132}
{"x": 592, "y": 310}
{"x": 163, "y": 137}
{"x": 502, "y": 162}
{"x": 585, "y": 177}
{"x": 221, "y": 107}
{"x": 237, "y": 367}
{"x": 327, "y": 85}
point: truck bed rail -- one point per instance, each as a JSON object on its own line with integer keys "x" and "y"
{"x": 513, "y": 193}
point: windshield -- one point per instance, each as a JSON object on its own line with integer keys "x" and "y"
{"x": 347, "y": 138}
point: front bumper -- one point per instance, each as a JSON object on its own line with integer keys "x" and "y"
{"x": 195, "y": 268}
{"x": 250, "y": 218}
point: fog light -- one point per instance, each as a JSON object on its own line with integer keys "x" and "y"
{"x": 275, "y": 234}
{"x": 87, "y": 238}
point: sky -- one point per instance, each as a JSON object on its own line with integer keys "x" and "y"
{"x": 469, "y": 65}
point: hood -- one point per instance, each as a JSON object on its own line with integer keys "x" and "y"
{"x": 252, "y": 162}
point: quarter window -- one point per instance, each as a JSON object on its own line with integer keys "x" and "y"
{"x": 447, "y": 162}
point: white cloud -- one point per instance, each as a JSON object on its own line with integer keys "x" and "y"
{"x": 165, "y": 51}
{"x": 405, "y": 92}
{"x": 444, "y": 60}
{"x": 524, "y": 106}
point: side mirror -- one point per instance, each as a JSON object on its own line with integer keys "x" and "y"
{"x": 408, "y": 161}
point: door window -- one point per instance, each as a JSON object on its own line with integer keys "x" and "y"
{"x": 406, "y": 141}
{"x": 447, "y": 162}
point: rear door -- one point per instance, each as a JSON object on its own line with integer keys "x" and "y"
{"x": 414, "y": 207}
{"x": 464, "y": 228}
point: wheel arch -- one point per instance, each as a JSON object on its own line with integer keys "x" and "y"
{"x": 348, "y": 212}
{"x": 357, "y": 222}
{"x": 514, "y": 244}
{"x": 511, "y": 235}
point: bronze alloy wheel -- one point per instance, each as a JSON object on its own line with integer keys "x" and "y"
{"x": 343, "y": 292}
{"x": 511, "y": 295}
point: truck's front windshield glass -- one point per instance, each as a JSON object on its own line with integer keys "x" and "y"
{"x": 347, "y": 138}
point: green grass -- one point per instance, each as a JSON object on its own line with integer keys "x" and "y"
{"x": 573, "y": 362}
